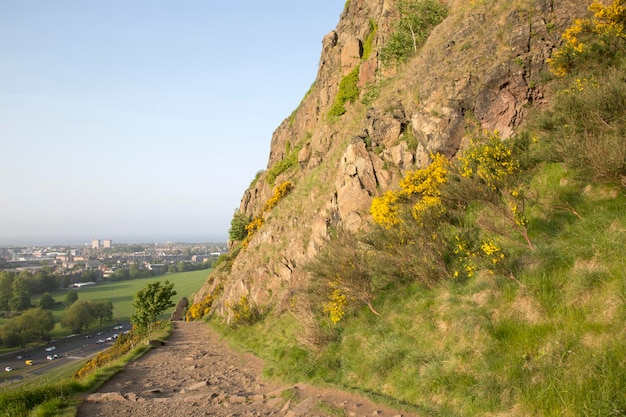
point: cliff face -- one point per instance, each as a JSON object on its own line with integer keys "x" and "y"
{"x": 479, "y": 69}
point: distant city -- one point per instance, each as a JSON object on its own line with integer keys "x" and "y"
{"x": 102, "y": 259}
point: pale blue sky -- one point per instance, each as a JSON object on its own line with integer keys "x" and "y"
{"x": 144, "y": 120}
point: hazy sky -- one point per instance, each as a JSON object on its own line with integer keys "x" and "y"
{"x": 144, "y": 120}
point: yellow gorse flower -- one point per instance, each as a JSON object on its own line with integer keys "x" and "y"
{"x": 608, "y": 22}
{"x": 422, "y": 184}
{"x": 491, "y": 162}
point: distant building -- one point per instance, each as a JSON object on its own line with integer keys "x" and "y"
{"x": 107, "y": 244}
{"x": 200, "y": 258}
{"x": 95, "y": 244}
{"x": 83, "y": 284}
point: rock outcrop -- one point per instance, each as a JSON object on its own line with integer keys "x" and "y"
{"x": 479, "y": 69}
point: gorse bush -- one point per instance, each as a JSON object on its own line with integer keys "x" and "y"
{"x": 491, "y": 162}
{"x": 344, "y": 279}
{"x": 419, "y": 232}
{"x": 422, "y": 188}
{"x": 123, "y": 344}
{"x": 201, "y": 309}
{"x": 490, "y": 173}
{"x": 585, "y": 126}
{"x": 598, "y": 40}
{"x": 242, "y": 312}
{"x": 257, "y": 222}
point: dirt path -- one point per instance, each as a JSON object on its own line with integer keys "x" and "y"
{"x": 196, "y": 374}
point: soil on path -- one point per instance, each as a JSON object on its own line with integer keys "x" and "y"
{"x": 195, "y": 373}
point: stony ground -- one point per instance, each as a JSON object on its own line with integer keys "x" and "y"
{"x": 196, "y": 374}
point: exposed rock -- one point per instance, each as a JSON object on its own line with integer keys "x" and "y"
{"x": 155, "y": 342}
{"x": 197, "y": 386}
{"x": 180, "y": 309}
{"x": 367, "y": 72}
{"x": 105, "y": 396}
{"x": 237, "y": 399}
{"x": 351, "y": 55}
{"x": 303, "y": 408}
{"x": 356, "y": 181}
{"x": 470, "y": 75}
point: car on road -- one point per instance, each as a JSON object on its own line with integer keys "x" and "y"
{"x": 100, "y": 341}
{"x": 8, "y": 369}
{"x": 52, "y": 357}
{"x": 50, "y": 348}
{"x": 118, "y": 327}
{"x": 29, "y": 362}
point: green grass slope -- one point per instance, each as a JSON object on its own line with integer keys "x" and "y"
{"x": 121, "y": 293}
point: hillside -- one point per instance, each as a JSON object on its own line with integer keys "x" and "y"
{"x": 441, "y": 221}
{"x": 481, "y": 68}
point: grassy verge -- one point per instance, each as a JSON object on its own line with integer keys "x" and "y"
{"x": 60, "y": 396}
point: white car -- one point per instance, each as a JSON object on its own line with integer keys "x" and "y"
{"x": 50, "y": 348}
{"x": 8, "y": 369}
{"x": 51, "y": 357}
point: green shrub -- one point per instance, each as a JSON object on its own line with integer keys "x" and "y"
{"x": 238, "y": 225}
{"x": 348, "y": 92}
{"x": 256, "y": 178}
{"x": 415, "y": 22}
{"x": 368, "y": 44}
{"x": 586, "y": 124}
{"x": 289, "y": 161}
{"x": 370, "y": 94}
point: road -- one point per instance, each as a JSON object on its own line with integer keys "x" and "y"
{"x": 70, "y": 348}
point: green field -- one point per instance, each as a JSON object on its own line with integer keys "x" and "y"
{"x": 121, "y": 295}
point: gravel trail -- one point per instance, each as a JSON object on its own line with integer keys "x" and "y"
{"x": 197, "y": 374}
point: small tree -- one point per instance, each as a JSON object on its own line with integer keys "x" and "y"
{"x": 39, "y": 323}
{"x": 46, "y": 301}
{"x": 20, "y": 301}
{"x": 151, "y": 301}
{"x": 71, "y": 297}
{"x": 416, "y": 19}
{"x": 238, "y": 226}
{"x": 78, "y": 316}
{"x": 102, "y": 310}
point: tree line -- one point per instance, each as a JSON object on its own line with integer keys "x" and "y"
{"x": 17, "y": 288}
{"x": 35, "y": 324}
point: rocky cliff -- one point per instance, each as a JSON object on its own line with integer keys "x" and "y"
{"x": 480, "y": 68}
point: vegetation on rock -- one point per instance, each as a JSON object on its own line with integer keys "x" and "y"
{"x": 348, "y": 92}
{"x": 416, "y": 19}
